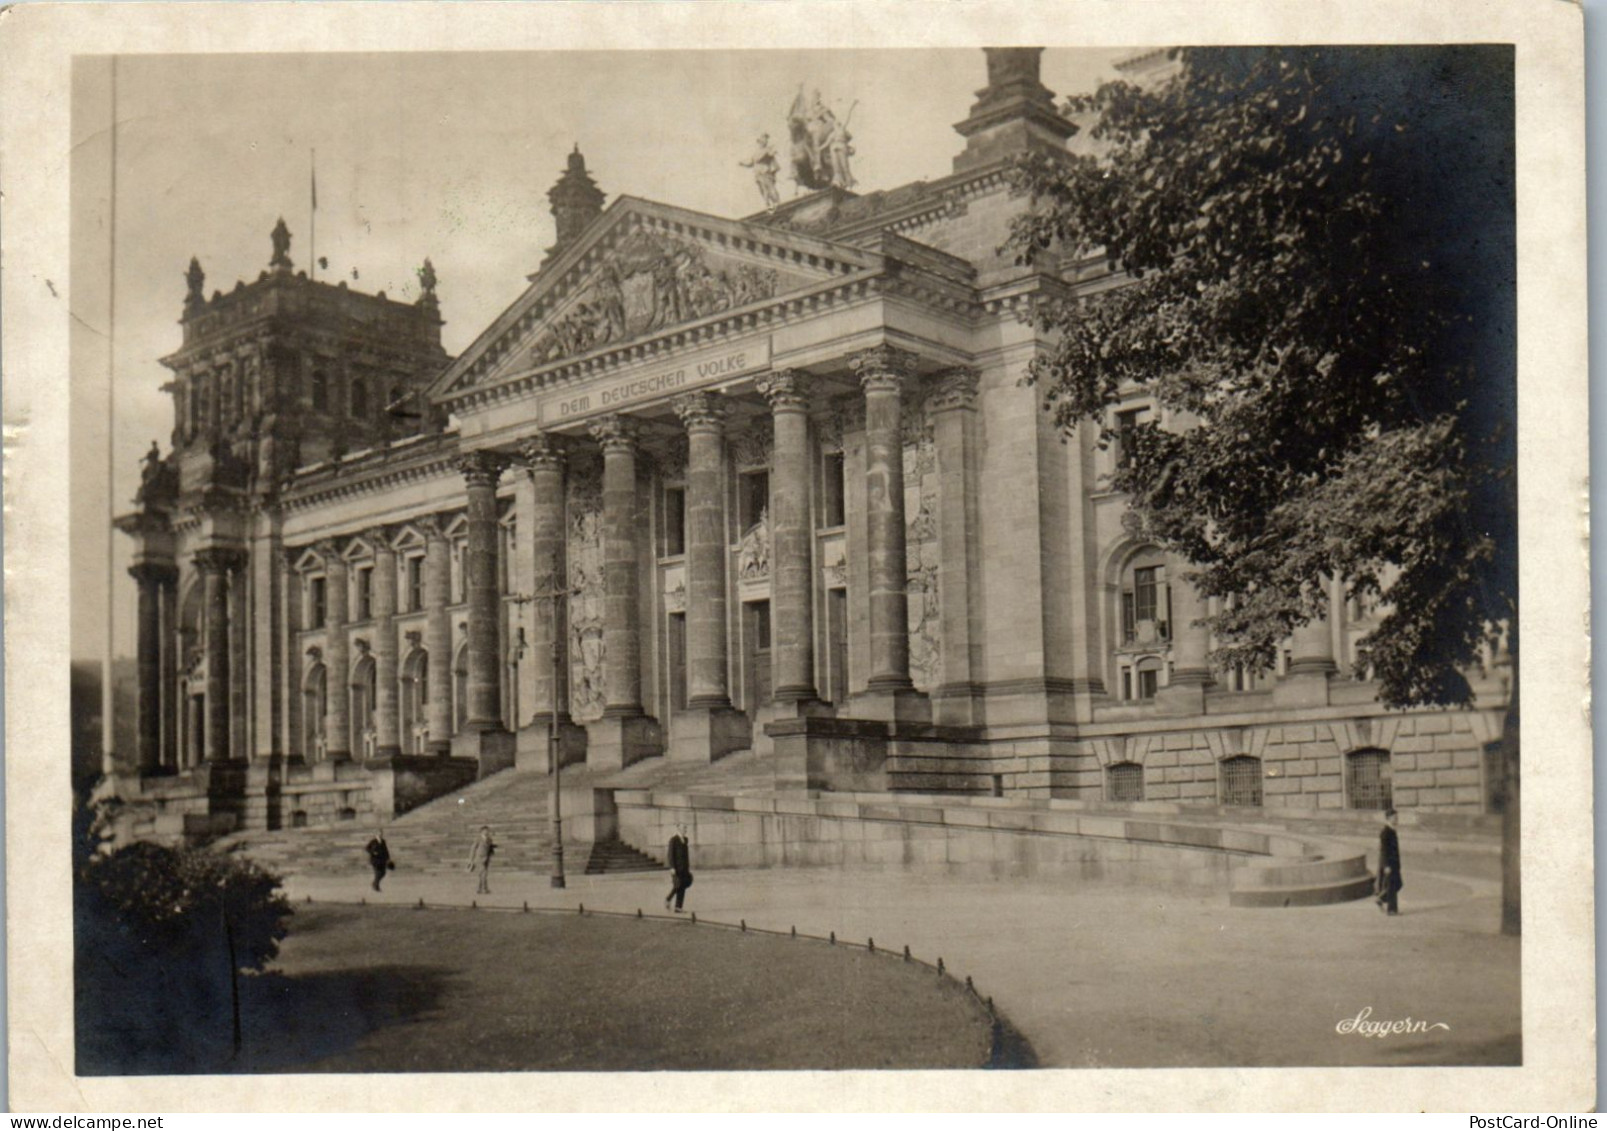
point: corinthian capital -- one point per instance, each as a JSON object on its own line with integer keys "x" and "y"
{"x": 482, "y": 468}
{"x": 218, "y": 559}
{"x": 954, "y": 388}
{"x": 616, "y": 434}
{"x": 785, "y": 389}
{"x": 701, "y": 412}
{"x": 882, "y": 368}
{"x": 542, "y": 452}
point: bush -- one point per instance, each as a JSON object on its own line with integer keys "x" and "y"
{"x": 161, "y": 936}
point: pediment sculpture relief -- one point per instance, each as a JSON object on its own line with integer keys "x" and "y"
{"x": 650, "y": 282}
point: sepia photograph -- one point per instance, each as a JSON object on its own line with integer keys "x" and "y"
{"x": 749, "y": 557}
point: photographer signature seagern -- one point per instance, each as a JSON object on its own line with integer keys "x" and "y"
{"x": 1363, "y": 1025}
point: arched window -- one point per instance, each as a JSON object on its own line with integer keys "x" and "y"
{"x": 1241, "y": 780}
{"x": 320, "y": 390}
{"x": 1367, "y": 779}
{"x": 1146, "y": 600}
{"x": 364, "y": 686}
{"x": 315, "y": 705}
{"x": 460, "y": 689}
{"x": 415, "y": 701}
{"x": 1124, "y": 781}
{"x": 359, "y": 397}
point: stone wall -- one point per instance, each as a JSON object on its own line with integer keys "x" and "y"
{"x": 984, "y": 837}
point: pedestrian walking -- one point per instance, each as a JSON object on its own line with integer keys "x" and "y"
{"x": 1389, "y": 865}
{"x": 379, "y": 856}
{"x": 480, "y": 858}
{"x": 680, "y": 859}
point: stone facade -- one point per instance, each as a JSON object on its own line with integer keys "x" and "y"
{"x": 711, "y": 485}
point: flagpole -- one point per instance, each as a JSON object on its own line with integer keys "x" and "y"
{"x": 312, "y": 239}
{"x": 107, "y": 698}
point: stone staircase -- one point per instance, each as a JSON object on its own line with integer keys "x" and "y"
{"x": 435, "y": 838}
{"x": 611, "y": 857}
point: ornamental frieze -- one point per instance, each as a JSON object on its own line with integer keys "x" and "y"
{"x": 650, "y": 282}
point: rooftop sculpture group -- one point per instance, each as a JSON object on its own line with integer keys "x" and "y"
{"x": 821, "y": 149}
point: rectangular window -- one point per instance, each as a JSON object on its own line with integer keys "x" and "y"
{"x": 318, "y": 599}
{"x": 1127, "y": 683}
{"x": 1127, "y": 422}
{"x": 1147, "y": 683}
{"x": 365, "y": 593}
{"x": 674, "y": 521}
{"x": 1129, "y": 620}
{"x": 1144, "y": 592}
{"x": 754, "y": 500}
{"x": 415, "y": 584}
{"x": 677, "y": 650}
{"x": 458, "y": 570}
{"x": 761, "y": 625}
{"x": 834, "y": 507}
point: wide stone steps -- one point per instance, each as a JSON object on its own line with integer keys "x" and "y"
{"x": 615, "y": 856}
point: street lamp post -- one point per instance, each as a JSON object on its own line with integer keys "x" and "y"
{"x": 555, "y": 594}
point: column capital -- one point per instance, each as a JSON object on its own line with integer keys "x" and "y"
{"x": 954, "y": 388}
{"x": 701, "y": 412}
{"x": 787, "y": 390}
{"x": 542, "y": 452}
{"x": 482, "y": 468}
{"x": 218, "y": 559}
{"x": 617, "y": 434}
{"x": 882, "y": 368}
{"x": 153, "y": 573}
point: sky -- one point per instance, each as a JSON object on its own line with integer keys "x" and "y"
{"x": 417, "y": 154}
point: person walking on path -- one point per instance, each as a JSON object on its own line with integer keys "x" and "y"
{"x": 379, "y": 856}
{"x": 1389, "y": 865}
{"x": 680, "y": 858}
{"x": 480, "y": 859}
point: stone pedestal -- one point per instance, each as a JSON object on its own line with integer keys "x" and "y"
{"x": 1181, "y": 698}
{"x": 906, "y": 707}
{"x": 533, "y": 740}
{"x": 492, "y": 750}
{"x": 706, "y": 734}
{"x": 821, "y": 753}
{"x": 616, "y": 741}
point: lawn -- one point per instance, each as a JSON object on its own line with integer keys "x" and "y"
{"x": 374, "y": 989}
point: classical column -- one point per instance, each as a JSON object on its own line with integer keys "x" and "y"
{"x": 1190, "y": 642}
{"x": 216, "y": 566}
{"x": 170, "y": 659}
{"x": 882, "y": 372}
{"x": 438, "y": 637}
{"x": 793, "y": 656}
{"x": 952, "y": 402}
{"x": 337, "y": 657}
{"x": 151, "y": 578}
{"x": 703, "y": 414}
{"x": 387, "y": 708}
{"x": 622, "y": 631}
{"x": 544, "y": 460}
{"x": 1313, "y": 647}
{"x": 481, "y": 471}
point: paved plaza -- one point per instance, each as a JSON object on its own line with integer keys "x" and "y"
{"x": 1111, "y": 976}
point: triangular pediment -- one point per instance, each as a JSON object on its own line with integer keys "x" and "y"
{"x": 642, "y": 270}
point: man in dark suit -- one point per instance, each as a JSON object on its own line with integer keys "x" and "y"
{"x": 680, "y": 860}
{"x": 379, "y": 856}
{"x": 1389, "y": 865}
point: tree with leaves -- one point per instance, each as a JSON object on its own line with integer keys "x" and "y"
{"x": 161, "y": 935}
{"x": 1317, "y": 252}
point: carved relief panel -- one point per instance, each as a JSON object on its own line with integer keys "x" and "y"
{"x": 587, "y": 695}
{"x": 921, "y": 541}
